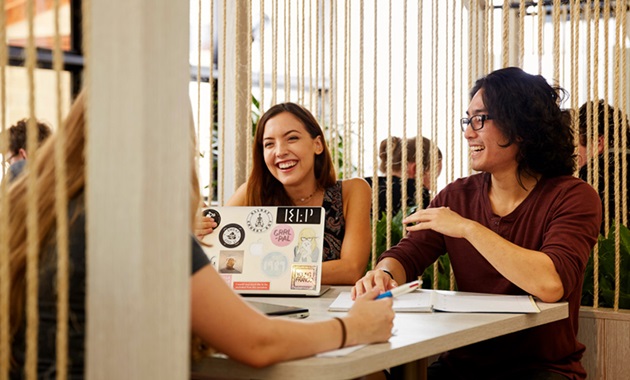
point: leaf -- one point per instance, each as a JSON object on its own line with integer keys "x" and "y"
{"x": 606, "y": 269}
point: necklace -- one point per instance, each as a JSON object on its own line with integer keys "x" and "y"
{"x": 308, "y": 198}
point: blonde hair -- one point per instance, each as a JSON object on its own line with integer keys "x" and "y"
{"x": 307, "y": 233}
{"x": 43, "y": 168}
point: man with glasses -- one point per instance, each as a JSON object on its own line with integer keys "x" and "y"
{"x": 16, "y": 154}
{"x": 522, "y": 225}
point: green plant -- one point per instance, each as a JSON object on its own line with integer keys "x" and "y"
{"x": 444, "y": 274}
{"x": 337, "y": 150}
{"x": 607, "y": 271}
{"x": 396, "y": 229}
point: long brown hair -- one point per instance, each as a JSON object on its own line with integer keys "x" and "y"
{"x": 263, "y": 189}
{"x": 43, "y": 168}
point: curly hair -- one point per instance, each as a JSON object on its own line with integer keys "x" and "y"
{"x": 17, "y": 134}
{"x": 526, "y": 109}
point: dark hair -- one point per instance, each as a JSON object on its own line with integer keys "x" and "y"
{"x": 17, "y": 134}
{"x": 527, "y": 110}
{"x": 602, "y": 109}
{"x": 263, "y": 189}
{"x": 411, "y": 153}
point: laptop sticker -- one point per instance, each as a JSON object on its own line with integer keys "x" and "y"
{"x": 303, "y": 277}
{"x": 306, "y": 249}
{"x": 214, "y": 214}
{"x": 231, "y": 262}
{"x": 251, "y": 285}
{"x": 299, "y": 215}
{"x": 259, "y": 220}
{"x": 275, "y": 264}
{"x": 282, "y": 235}
{"x": 232, "y": 235}
{"x": 227, "y": 278}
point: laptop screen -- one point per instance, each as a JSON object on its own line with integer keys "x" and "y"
{"x": 268, "y": 250}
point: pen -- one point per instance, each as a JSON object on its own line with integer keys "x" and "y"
{"x": 400, "y": 290}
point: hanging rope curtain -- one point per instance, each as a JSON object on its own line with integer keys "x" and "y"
{"x": 367, "y": 78}
{"x": 325, "y": 50}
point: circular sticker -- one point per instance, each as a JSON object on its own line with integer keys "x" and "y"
{"x": 282, "y": 235}
{"x": 214, "y": 214}
{"x": 259, "y": 220}
{"x": 232, "y": 235}
{"x": 213, "y": 261}
{"x": 275, "y": 264}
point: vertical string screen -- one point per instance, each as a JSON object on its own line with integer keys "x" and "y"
{"x": 367, "y": 78}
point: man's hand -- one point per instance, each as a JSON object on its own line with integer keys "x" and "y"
{"x": 439, "y": 219}
{"x": 376, "y": 278}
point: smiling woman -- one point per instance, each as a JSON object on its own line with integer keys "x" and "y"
{"x": 290, "y": 152}
{"x": 293, "y": 166}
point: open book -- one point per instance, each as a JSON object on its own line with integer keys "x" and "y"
{"x": 456, "y": 302}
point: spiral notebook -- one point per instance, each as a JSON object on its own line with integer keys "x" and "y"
{"x": 268, "y": 250}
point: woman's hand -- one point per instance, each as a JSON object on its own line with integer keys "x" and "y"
{"x": 370, "y": 320}
{"x": 204, "y": 225}
{"x": 374, "y": 279}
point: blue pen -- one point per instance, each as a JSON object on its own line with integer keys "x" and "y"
{"x": 400, "y": 290}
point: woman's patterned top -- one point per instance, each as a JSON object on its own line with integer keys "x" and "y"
{"x": 335, "y": 227}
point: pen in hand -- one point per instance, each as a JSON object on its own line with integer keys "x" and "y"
{"x": 400, "y": 290}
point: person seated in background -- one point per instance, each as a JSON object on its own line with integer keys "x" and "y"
{"x": 292, "y": 166}
{"x": 254, "y": 339}
{"x": 523, "y": 225}
{"x": 412, "y": 169}
{"x": 598, "y": 149}
{"x": 16, "y": 152}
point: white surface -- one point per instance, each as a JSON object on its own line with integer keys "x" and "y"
{"x": 418, "y": 336}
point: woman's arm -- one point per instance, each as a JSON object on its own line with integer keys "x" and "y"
{"x": 226, "y": 323}
{"x": 357, "y": 241}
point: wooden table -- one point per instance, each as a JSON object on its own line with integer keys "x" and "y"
{"x": 417, "y": 337}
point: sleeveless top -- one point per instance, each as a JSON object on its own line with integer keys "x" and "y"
{"x": 335, "y": 227}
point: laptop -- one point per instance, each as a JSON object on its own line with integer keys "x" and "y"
{"x": 268, "y": 250}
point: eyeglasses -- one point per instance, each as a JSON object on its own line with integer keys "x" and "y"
{"x": 475, "y": 122}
